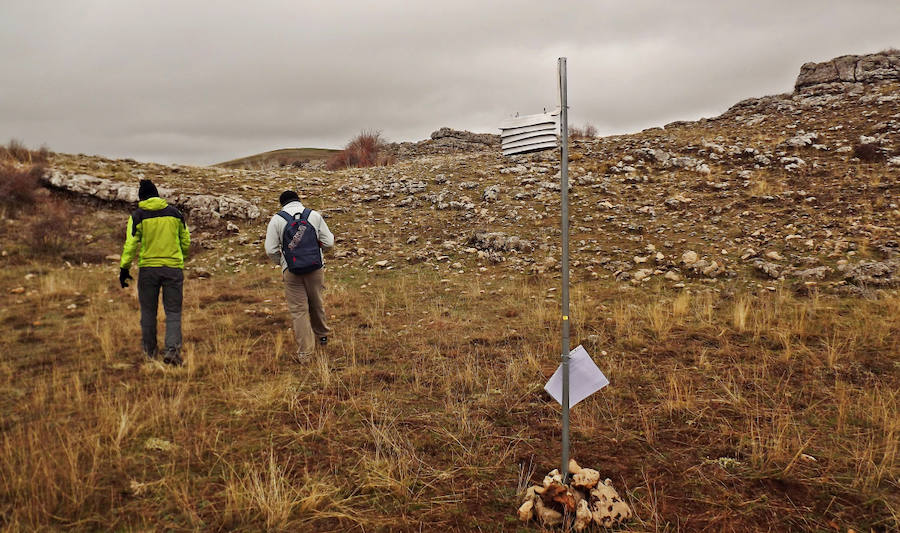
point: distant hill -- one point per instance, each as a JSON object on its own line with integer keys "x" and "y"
{"x": 279, "y": 158}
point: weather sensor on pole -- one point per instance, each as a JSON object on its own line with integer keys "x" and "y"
{"x": 529, "y": 133}
{"x": 533, "y": 133}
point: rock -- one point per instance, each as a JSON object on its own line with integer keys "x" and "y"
{"x": 712, "y": 270}
{"x": 607, "y": 508}
{"x": 677, "y": 201}
{"x": 583, "y": 516}
{"x": 526, "y": 511}
{"x": 774, "y": 255}
{"x": 491, "y": 194}
{"x": 894, "y": 161}
{"x": 381, "y": 264}
{"x": 559, "y": 496}
{"x": 851, "y": 68}
{"x": 792, "y": 163}
{"x": 817, "y": 273}
{"x": 199, "y": 272}
{"x": 586, "y": 478}
{"x": 689, "y": 257}
{"x": 642, "y": 274}
{"x": 802, "y": 140}
{"x": 115, "y": 191}
{"x": 466, "y": 136}
{"x": 552, "y": 477}
{"x": 445, "y": 141}
{"x": 17, "y": 290}
{"x": 546, "y": 515}
{"x": 865, "y": 139}
{"x": 874, "y": 273}
{"x": 157, "y": 444}
{"x": 672, "y": 276}
{"x": 499, "y": 242}
{"x": 769, "y": 269}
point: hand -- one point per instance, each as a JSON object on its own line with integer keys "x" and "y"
{"x": 124, "y": 276}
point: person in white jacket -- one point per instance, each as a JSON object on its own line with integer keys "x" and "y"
{"x": 303, "y": 291}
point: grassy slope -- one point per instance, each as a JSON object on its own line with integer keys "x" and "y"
{"x": 281, "y": 157}
{"x": 737, "y": 404}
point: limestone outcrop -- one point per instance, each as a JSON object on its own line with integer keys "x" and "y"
{"x": 204, "y": 207}
{"x": 851, "y": 69}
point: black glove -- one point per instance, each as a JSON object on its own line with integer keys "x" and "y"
{"x": 124, "y": 276}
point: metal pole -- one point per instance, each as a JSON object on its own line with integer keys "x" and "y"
{"x": 564, "y": 188}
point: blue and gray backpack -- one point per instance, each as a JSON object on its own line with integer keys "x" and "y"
{"x": 300, "y": 243}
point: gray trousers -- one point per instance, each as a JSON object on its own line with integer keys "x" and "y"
{"x": 150, "y": 281}
{"x": 304, "y": 294}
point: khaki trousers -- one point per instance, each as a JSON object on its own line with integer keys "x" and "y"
{"x": 304, "y": 299}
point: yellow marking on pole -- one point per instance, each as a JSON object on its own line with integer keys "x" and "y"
{"x": 565, "y": 317}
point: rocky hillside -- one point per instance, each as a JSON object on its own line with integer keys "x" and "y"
{"x": 801, "y": 187}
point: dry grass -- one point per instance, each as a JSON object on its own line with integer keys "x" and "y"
{"x": 426, "y": 403}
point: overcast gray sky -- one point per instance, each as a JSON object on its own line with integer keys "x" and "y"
{"x": 179, "y": 81}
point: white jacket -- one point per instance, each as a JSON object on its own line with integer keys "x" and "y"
{"x": 276, "y": 230}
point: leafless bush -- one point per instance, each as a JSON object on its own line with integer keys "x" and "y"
{"x": 18, "y": 185}
{"x": 48, "y": 233}
{"x": 868, "y": 153}
{"x": 365, "y": 150}
{"x": 15, "y": 150}
{"x": 589, "y": 131}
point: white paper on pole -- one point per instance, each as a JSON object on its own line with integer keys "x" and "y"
{"x": 584, "y": 378}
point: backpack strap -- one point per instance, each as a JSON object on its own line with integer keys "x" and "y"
{"x": 136, "y": 217}
{"x": 285, "y": 215}
{"x": 305, "y": 216}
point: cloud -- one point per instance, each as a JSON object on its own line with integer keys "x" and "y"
{"x": 199, "y": 82}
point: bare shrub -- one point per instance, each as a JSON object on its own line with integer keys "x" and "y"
{"x": 868, "y": 153}
{"x": 18, "y": 185}
{"x": 589, "y": 131}
{"x": 15, "y": 150}
{"x": 365, "y": 150}
{"x": 48, "y": 233}
{"x": 41, "y": 156}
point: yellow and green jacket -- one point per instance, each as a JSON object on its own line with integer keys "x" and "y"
{"x": 160, "y": 232}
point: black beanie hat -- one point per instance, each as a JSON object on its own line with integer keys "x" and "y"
{"x": 147, "y": 190}
{"x": 288, "y": 197}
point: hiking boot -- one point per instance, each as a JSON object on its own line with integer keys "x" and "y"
{"x": 152, "y": 355}
{"x": 173, "y": 358}
{"x": 323, "y": 341}
{"x": 301, "y": 358}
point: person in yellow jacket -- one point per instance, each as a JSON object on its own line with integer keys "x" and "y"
{"x": 159, "y": 231}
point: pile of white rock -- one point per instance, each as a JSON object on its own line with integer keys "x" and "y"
{"x": 577, "y": 504}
